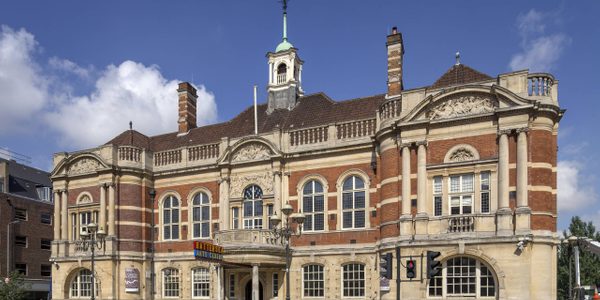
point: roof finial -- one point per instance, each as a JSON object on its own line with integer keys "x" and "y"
{"x": 285, "y": 19}
{"x": 130, "y": 125}
{"x": 457, "y": 58}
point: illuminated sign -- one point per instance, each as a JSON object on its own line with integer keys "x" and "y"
{"x": 207, "y": 251}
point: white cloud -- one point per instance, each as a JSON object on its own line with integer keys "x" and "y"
{"x": 22, "y": 89}
{"x": 574, "y": 192}
{"x": 32, "y": 96}
{"x": 539, "y": 51}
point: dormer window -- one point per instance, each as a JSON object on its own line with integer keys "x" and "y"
{"x": 281, "y": 73}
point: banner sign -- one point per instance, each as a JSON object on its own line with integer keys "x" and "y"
{"x": 384, "y": 284}
{"x": 208, "y": 251}
{"x": 132, "y": 280}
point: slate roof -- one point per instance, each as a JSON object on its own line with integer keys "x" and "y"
{"x": 23, "y": 180}
{"x": 311, "y": 110}
{"x": 459, "y": 74}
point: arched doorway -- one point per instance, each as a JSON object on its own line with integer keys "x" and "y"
{"x": 248, "y": 291}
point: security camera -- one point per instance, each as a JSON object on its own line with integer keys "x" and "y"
{"x": 520, "y": 245}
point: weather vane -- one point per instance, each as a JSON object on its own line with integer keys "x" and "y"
{"x": 284, "y": 4}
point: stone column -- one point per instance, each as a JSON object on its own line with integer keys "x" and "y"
{"x": 405, "y": 180}
{"x": 276, "y": 192}
{"x": 255, "y": 283}
{"x": 523, "y": 211}
{"x": 102, "y": 213}
{"x": 57, "y": 216}
{"x": 224, "y": 200}
{"x": 422, "y": 179}
{"x": 65, "y": 216}
{"x": 504, "y": 211}
{"x": 111, "y": 209}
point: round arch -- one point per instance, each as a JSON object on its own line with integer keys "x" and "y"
{"x": 161, "y": 222}
{"x": 190, "y": 211}
{"x": 339, "y": 187}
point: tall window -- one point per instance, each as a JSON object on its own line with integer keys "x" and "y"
{"x": 81, "y": 286}
{"x": 270, "y": 212}
{"x": 313, "y": 281}
{"x": 461, "y": 194}
{"x": 231, "y": 285}
{"x": 235, "y": 217}
{"x": 275, "y": 284}
{"x": 200, "y": 283}
{"x": 253, "y": 207}
{"x": 313, "y": 205}
{"x": 73, "y": 226}
{"x": 171, "y": 218}
{"x": 353, "y": 280}
{"x": 201, "y": 215}
{"x": 353, "y": 203}
{"x": 485, "y": 192}
{"x": 437, "y": 195}
{"x": 170, "y": 283}
{"x": 463, "y": 277}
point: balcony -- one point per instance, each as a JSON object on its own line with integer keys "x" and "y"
{"x": 244, "y": 246}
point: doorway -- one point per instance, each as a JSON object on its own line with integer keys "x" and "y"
{"x": 248, "y": 291}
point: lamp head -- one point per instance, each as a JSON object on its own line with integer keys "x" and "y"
{"x": 92, "y": 227}
{"x": 275, "y": 220}
{"x": 152, "y": 193}
{"x": 287, "y": 209}
{"x": 299, "y": 218}
{"x": 101, "y": 234}
{"x": 84, "y": 235}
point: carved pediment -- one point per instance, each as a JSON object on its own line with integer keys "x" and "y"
{"x": 462, "y": 105}
{"x": 461, "y": 154}
{"x": 239, "y": 182}
{"x": 251, "y": 152}
{"x": 83, "y": 166}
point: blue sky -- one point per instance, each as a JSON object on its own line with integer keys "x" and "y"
{"x": 73, "y": 73}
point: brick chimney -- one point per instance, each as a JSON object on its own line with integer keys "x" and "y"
{"x": 187, "y": 107}
{"x": 395, "y": 52}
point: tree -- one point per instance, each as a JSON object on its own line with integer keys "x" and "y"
{"x": 13, "y": 287}
{"x": 589, "y": 264}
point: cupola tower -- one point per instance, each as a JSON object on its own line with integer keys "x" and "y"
{"x": 285, "y": 73}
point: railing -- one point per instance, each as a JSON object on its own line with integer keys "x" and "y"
{"x": 167, "y": 157}
{"x": 247, "y": 236}
{"x": 539, "y": 84}
{"x": 309, "y": 136}
{"x": 129, "y": 153}
{"x": 461, "y": 224}
{"x": 355, "y": 129}
{"x": 203, "y": 152}
{"x": 390, "y": 109}
{"x": 281, "y": 78}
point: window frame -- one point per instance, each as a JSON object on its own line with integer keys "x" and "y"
{"x": 21, "y": 214}
{"x": 204, "y": 196}
{"x": 26, "y": 268}
{"x": 77, "y": 279}
{"x": 171, "y": 224}
{"x": 461, "y": 194}
{"x": 19, "y": 244}
{"x": 354, "y": 210}
{"x": 49, "y": 242}
{"x": 48, "y": 267}
{"x": 255, "y": 220}
{"x": 312, "y": 198}
{"x": 174, "y": 283}
{"x": 343, "y": 280}
{"x": 49, "y": 218}
{"x": 487, "y": 191}
{"x": 275, "y": 284}
{"x": 478, "y": 265}
{"x": 438, "y": 195}
{"x": 320, "y": 270}
{"x": 203, "y": 284}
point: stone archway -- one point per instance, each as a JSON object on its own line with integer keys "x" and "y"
{"x": 248, "y": 291}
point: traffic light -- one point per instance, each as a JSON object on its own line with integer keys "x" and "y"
{"x": 411, "y": 267}
{"x": 385, "y": 265}
{"x": 433, "y": 266}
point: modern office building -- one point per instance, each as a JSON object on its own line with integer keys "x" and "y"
{"x": 465, "y": 166}
{"x": 26, "y": 210}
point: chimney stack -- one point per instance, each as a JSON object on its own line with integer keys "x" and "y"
{"x": 187, "y": 107}
{"x": 395, "y": 51}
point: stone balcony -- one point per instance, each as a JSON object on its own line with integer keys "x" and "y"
{"x": 460, "y": 226}
{"x": 251, "y": 246}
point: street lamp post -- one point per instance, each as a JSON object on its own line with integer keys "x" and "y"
{"x": 91, "y": 239}
{"x": 285, "y": 232}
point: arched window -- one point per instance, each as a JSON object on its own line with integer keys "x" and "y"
{"x": 353, "y": 284}
{"x": 353, "y": 203}
{"x": 253, "y": 207}
{"x": 171, "y": 218}
{"x": 281, "y": 72}
{"x": 170, "y": 283}
{"x": 200, "y": 283}
{"x": 464, "y": 277}
{"x": 313, "y": 206}
{"x": 313, "y": 281}
{"x": 81, "y": 285}
{"x": 201, "y": 216}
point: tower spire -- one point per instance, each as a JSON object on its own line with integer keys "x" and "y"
{"x": 284, "y": 45}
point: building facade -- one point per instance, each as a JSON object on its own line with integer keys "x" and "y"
{"x": 465, "y": 166}
{"x": 26, "y": 216}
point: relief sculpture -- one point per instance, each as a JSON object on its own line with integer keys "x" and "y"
{"x": 463, "y": 105}
{"x": 83, "y": 166}
{"x": 239, "y": 182}
{"x": 461, "y": 154}
{"x": 254, "y": 151}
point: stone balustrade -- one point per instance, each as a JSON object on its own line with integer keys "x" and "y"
{"x": 540, "y": 84}
{"x": 356, "y": 129}
{"x": 390, "y": 109}
{"x": 167, "y": 157}
{"x": 461, "y": 224}
{"x": 129, "y": 153}
{"x": 203, "y": 152}
{"x": 309, "y": 136}
{"x": 247, "y": 238}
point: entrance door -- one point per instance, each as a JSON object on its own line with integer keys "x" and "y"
{"x": 248, "y": 291}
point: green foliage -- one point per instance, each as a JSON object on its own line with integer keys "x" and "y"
{"x": 13, "y": 287}
{"x": 589, "y": 263}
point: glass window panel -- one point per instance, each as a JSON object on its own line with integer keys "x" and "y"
{"x": 196, "y": 214}
{"x": 205, "y": 213}
{"x": 308, "y": 188}
{"x": 358, "y": 183}
{"x": 347, "y": 184}
{"x": 467, "y": 183}
{"x": 318, "y": 187}
{"x": 175, "y": 232}
{"x": 347, "y": 222}
{"x": 347, "y": 201}
{"x": 485, "y": 181}
{"x": 485, "y": 202}
{"x": 248, "y": 209}
{"x": 437, "y": 185}
{"x": 359, "y": 201}
{"x": 307, "y": 204}
{"x": 258, "y": 208}
{"x": 319, "y": 222}
{"x": 454, "y": 184}
{"x": 175, "y": 215}
{"x": 359, "y": 221}
{"x": 205, "y": 229}
{"x": 319, "y": 203}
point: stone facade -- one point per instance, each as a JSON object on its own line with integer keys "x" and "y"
{"x": 468, "y": 170}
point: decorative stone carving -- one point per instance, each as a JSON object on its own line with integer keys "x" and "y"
{"x": 83, "y": 165}
{"x": 254, "y": 151}
{"x": 84, "y": 199}
{"x": 461, "y": 154}
{"x": 239, "y": 182}
{"x": 470, "y": 104}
